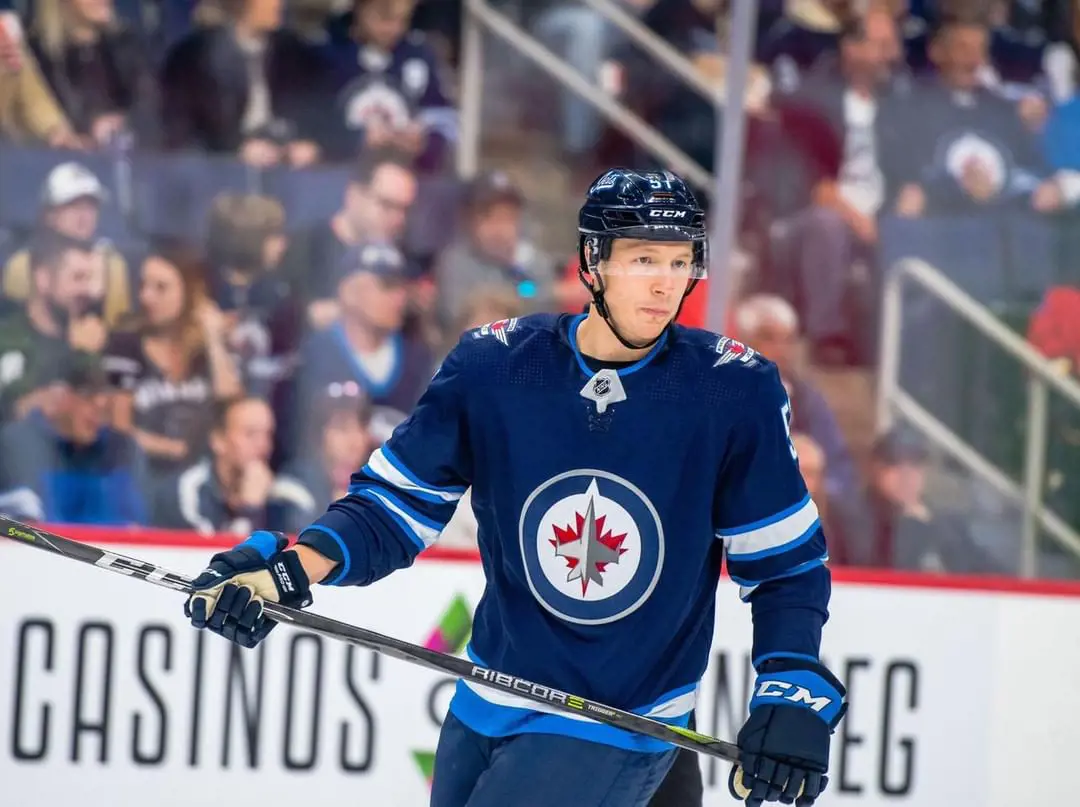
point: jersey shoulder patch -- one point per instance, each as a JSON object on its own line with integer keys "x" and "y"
{"x": 719, "y": 350}
{"x": 732, "y": 351}
{"x": 500, "y": 330}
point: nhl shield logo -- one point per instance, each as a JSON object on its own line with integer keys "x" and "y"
{"x": 592, "y": 545}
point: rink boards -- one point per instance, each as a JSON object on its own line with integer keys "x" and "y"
{"x": 960, "y": 691}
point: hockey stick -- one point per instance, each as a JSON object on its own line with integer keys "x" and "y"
{"x": 414, "y": 654}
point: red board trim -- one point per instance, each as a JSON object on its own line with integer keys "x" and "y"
{"x": 175, "y": 539}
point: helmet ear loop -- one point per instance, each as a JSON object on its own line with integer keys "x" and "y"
{"x": 588, "y": 265}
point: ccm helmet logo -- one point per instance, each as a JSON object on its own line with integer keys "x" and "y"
{"x": 793, "y": 693}
{"x": 667, "y": 214}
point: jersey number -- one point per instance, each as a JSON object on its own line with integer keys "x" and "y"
{"x": 785, "y": 415}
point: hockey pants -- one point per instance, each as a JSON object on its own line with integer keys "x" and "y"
{"x": 540, "y": 770}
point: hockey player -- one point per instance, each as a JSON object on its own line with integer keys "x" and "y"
{"x": 614, "y": 458}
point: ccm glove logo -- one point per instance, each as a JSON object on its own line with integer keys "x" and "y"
{"x": 794, "y": 693}
{"x": 284, "y": 580}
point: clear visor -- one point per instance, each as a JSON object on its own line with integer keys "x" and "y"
{"x": 683, "y": 268}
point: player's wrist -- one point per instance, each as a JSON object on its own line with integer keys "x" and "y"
{"x": 315, "y": 565}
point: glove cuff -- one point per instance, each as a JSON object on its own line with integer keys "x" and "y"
{"x": 804, "y": 684}
{"x": 294, "y": 588}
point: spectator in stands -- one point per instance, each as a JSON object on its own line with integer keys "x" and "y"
{"x": 1062, "y": 59}
{"x": 848, "y": 531}
{"x": 29, "y": 112}
{"x": 376, "y": 206}
{"x": 698, "y": 29}
{"x": 169, "y": 362}
{"x": 61, "y": 314}
{"x": 97, "y": 68}
{"x": 228, "y": 490}
{"x": 64, "y": 464}
{"x": 808, "y": 29}
{"x": 387, "y": 87}
{"x": 832, "y": 122}
{"x": 491, "y": 252}
{"x": 338, "y": 444}
{"x": 71, "y": 201}
{"x": 487, "y": 304}
{"x": 244, "y": 246}
{"x": 770, "y": 326}
{"x": 246, "y": 87}
{"x": 1061, "y": 135}
{"x": 954, "y": 145}
{"x": 910, "y": 534}
{"x": 366, "y": 343}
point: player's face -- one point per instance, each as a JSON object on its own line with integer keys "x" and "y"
{"x": 644, "y": 283}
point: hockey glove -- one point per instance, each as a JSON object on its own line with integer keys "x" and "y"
{"x": 784, "y": 744}
{"x": 229, "y": 594}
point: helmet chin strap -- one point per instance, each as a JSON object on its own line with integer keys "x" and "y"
{"x": 605, "y": 313}
{"x": 596, "y": 289}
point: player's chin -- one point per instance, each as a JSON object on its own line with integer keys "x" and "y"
{"x": 650, "y": 323}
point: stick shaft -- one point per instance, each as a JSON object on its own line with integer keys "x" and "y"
{"x": 396, "y": 648}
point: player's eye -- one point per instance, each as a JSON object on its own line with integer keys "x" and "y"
{"x": 645, "y": 259}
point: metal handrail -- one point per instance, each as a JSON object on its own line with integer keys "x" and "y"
{"x": 657, "y": 47}
{"x": 1043, "y": 376}
{"x": 480, "y": 13}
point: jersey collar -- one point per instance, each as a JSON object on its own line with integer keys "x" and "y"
{"x": 575, "y": 323}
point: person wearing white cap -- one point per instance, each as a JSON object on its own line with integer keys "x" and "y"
{"x": 71, "y": 199}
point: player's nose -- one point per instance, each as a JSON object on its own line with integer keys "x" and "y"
{"x": 663, "y": 284}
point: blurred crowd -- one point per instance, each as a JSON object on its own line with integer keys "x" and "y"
{"x": 233, "y": 245}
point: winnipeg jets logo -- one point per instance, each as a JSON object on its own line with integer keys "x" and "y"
{"x": 592, "y": 546}
{"x": 585, "y": 546}
{"x": 730, "y": 350}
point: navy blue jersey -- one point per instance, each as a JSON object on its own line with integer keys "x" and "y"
{"x": 605, "y": 503}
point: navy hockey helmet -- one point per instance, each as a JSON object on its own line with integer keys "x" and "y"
{"x": 652, "y": 206}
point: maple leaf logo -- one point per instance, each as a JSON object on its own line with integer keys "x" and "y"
{"x": 585, "y": 545}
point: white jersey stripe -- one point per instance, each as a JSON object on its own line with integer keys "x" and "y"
{"x": 423, "y": 532}
{"x": 378, "y": 465}
{"x": 771, "y": 539}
